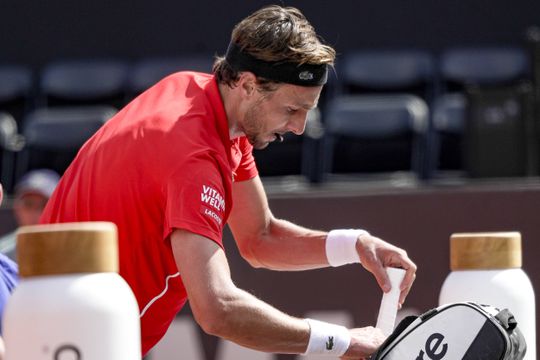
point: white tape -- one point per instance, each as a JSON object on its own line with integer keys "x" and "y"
{"x": 389, "y": 303}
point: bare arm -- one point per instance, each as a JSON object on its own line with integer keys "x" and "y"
{"x": 266, "y": 241}
{"x": 224, "y": 310}
{"x": 277, "y": 244}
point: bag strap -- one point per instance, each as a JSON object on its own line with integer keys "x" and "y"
{"x": 506, "y": 319}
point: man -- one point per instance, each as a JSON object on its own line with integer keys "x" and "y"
{"x": 175, "y": 165}
{"x": 9, "y": 279}
{"x": 32, "y": 192}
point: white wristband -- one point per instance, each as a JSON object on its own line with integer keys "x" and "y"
{"x": 341, "y": 246}
{"x": 327, "y": 339}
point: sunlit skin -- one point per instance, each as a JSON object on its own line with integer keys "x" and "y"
{"x": 264, "y": 117}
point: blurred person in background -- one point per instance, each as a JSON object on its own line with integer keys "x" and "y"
{"x": 168, "y": 168}
{"x": 8, "y": 281}
{"x": 32, "y": 192}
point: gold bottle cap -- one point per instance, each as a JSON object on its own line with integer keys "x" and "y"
{"x": 486, "y": 251}
{"x": 67, "y": 248}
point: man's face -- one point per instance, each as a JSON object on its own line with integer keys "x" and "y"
{"x": 28, "y": 208}
{"x": 273, "y": 114}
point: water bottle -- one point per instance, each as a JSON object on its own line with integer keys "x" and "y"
{"x": 486, "y": 269}
{"x": 71, "y": 303}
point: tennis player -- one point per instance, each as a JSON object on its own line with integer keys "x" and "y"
{"x": 175, "y": 165}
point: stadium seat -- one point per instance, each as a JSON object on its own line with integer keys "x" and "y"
{"x": 15, "y": 90}
{"x": 53, "y": 136}
{"x": 146, "y": 72}
{"x": 387, "y": 71}
{"x": 372, "y": 133}
{"x": 448, "y": 123}
{"x": 312, "y": 149}
{"x": 464, "y": 66}
{"x": 83, "y": 82}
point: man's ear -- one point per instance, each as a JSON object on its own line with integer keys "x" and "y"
{"x": 248, "y": 83}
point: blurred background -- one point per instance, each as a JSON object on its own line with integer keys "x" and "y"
{"x": 429, "y": 125}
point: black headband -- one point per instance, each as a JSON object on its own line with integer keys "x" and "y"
{"x": 287, "y": 72}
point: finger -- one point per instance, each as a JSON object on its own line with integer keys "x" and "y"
{"x": 382, "y": 277}
{"x": 406, "y": 284}
{"x": 403, "y": 296}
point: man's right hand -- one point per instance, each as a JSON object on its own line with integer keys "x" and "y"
{"x": 364, "y": 342}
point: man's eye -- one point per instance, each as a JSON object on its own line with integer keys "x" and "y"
{"x": 291, "y": 110}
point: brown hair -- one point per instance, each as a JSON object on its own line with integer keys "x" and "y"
{"x": 275, "y": 34}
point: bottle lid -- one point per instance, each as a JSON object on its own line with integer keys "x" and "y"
{"x": 67, "y": 248}
{"x": 485, "y": 251}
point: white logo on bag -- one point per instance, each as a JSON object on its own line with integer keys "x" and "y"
{"x": 432, "y": 346}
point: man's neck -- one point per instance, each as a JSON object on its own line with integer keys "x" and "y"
{"x": 231, "y": 110}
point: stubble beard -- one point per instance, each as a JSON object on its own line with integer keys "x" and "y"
{"x": 253, "y": 128}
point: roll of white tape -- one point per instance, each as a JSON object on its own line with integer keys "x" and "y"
{"x": 389, "y": 303}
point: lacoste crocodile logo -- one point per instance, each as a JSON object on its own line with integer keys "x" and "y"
{"x": 330, "y": 343}
{"x": 305, "y": 75}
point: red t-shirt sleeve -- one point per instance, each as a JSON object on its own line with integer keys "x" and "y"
{"x": 196, "y": 199}
{"x": 247, "y": 168}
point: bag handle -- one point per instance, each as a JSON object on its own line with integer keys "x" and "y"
{"x": 506, "y": 319}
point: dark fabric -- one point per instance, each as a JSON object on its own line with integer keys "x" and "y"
{"x": 287, "y": 72}
{"x": 489, "y": 344}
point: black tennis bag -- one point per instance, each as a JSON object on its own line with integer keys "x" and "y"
{"x": 457, "y": 331}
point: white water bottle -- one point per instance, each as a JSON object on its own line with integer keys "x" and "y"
{"x": 486, "y": 268}
{"x": 71, "y": 304}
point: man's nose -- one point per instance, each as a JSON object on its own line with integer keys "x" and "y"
{"x": 297, "y": 124}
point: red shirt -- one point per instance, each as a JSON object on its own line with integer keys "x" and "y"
{"x": 165, "y": 161}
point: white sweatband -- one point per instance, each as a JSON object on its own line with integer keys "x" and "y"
{"x": 327, "y": 339}
{"x": 341, "y": 246}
